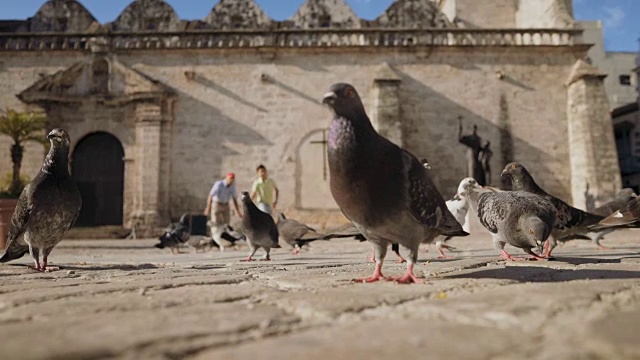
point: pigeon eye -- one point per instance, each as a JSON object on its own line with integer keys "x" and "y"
{"x": 349, "y": 92}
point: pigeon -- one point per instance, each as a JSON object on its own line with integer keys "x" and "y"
{"x": 232, "y": 233}
{"x": 381, "y": 188}
{"x": 297, "y": 234}
{"x": 176, "y": 234}
{"x": 570, "y": 220}
{"x": 200, "y": 242}
{"x": 47, "y": 207}
{"x": 259, "y": 228}
{"x": 459, "y": 207}
{"x": 518, "y": 218}
{"x": 627, "y": 217}
{"x": 624, "y": 197}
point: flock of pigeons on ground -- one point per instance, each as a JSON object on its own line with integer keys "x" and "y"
{"x": 384, "y": 190}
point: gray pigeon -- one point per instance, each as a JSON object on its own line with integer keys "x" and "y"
{"x": 176, "y": 234}
{"x": 517, "y": 218}
{"x": 296, "y": 233}
{"x": 384, "y": 190}
{"x": 47, "y": 207}
{"x": 259, "y": 228}
{"x": 200, "y": 242}
{"x": 570, "y": 220}
{"x": 627, "y": 217}
{"x": 622, "y": 199}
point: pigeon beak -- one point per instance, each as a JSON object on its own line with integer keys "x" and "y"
{"x": 329, "y": 98}
{"x": 504, "y": 173}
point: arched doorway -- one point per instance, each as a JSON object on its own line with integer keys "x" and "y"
{"x": 98, "y": 169}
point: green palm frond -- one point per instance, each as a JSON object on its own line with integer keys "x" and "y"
{"x": 23, "y": 126}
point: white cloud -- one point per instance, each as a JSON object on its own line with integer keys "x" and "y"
{"x": 614, "y": 17}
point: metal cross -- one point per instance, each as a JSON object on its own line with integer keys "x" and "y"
{"x": 324, "y": 152}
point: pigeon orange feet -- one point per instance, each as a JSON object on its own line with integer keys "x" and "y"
{"x": 534, "y": 256}
{"x": 408, "y": 277}
{"x": 506, "y": 256}
{"x": 248, "y": 259}
{"x": 443, "y": 256}
{"x": 377, "y": 276}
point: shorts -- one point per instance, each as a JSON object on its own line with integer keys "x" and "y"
{"x": 221, "y": 214}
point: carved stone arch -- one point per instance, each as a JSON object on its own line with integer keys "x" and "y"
{"x": 148, "y": 15}
{"x": 413, "y": 14}
{"x": 317, "y": 14}
{"x": 237, "y": 14}
{"x": 62, "y": 16}
{"x": 132, "y": 107}
{"x": 101, "y": 183}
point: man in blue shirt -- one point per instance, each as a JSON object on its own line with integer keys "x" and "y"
{"x": 220, "y": 194}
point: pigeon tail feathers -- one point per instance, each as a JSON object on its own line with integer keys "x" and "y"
{"x": 14, "y": 251}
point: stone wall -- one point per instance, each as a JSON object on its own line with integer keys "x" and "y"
{"x": 230, "y": 117}
{"x": 486, "y": 14}
{"x": 557, "y": 14}
{"x": 238, "y": 108}
{"x": 237, "y": 14}
{"x": 413, "y": 14}
{"x": 314, "y": 14}
{"x": 61, "y": 16}
{"x": 148, "y": 15}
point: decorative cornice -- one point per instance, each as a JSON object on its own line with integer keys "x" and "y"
{"x": 309, "y": 38}
{"x": 98, "y": 78}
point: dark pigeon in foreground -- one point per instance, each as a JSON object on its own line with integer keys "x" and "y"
{"x": 570, "y": 221}
{"x": 176, "y": 234}
{"x": 517, "y": 218}
{"x": 596, "y": 235}
{"x": 259, "y": 228}
{"x": 384, "y": 190}
{"x": 47, "y": 207}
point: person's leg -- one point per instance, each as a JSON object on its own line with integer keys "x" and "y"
{"x": 220, "y": 219}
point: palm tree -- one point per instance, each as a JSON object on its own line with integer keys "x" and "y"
{"x": 21, "y": 127}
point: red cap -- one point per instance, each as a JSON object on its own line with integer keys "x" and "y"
{"x": 231, "y": 175}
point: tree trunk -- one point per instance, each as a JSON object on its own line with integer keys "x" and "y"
{"x": 17, "y": 151}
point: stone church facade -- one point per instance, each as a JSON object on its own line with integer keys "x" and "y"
{"x": 158, "y": 108}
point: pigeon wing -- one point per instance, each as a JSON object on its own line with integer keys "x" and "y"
{"x": 492, "y": 211}
{"x": 625, "y": 217}
{"x": 569, "y": 217}
{"x": 425, "y": 201}
{"x": 19, "y": 221}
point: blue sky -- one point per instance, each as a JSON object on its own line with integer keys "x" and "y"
{"x": 622, "y": 27}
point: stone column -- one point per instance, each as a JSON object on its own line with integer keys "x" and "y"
{"x": 595, "y": 171}
{"x": 149, "y": 207}
{"x": 385, "y": 115}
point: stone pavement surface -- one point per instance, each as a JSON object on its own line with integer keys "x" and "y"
{"x": 125, "y": 299}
